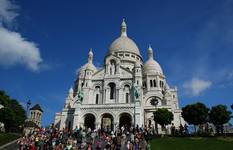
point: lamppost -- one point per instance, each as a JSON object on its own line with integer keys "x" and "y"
{"x": 134, "y": 113}
{"x": 136, "y": 92}
{"x": 28, "y": 106}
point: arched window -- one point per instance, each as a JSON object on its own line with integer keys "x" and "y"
{"x": 112, "y": 90}
{"x": 161, "y": 84}
{"x": 127, "y": 97}
{"x": 154, "y": 83}
{"x": 97, "y": 99}
{"x": 127, "y": 91}
{"x": 97, "y": 91}
{"x": 145, "y": 84}
{"x": 151, "y": 83}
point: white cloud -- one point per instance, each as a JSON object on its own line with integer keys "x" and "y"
{"x": 15, "y": 49}
{"x": 196, "y": 86}
{"x": 7, "y": 11}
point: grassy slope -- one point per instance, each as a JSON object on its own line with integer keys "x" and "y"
{"x": 7, "y": 137}
{"x": 192, "y": 143}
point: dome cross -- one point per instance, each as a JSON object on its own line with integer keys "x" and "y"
{"x": 150, "y": 52}
{"x": 90, "y": 56}
{"x": 123, "y": 28}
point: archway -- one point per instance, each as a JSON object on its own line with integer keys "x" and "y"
{"x": 89, "y": 121}
{"x": 125, "y": 120}
{"x": 107, "y": 122}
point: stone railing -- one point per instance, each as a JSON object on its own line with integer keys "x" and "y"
{"x": 102, "y": 106}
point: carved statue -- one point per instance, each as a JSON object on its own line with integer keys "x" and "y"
{"x": 136, "y": 91}
{"x": 80, "y": 95}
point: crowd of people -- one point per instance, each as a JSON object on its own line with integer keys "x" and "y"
{"x": 51, "y": 138}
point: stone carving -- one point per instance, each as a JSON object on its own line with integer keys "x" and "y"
{"x": 136, "y": 91}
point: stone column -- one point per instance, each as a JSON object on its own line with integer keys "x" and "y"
{"x": 97, "y": 125}
{"x": 138, "y": 113}
{"x": 116, "y": 124}
{"x": 63, "y": 119}
{"x": 117, "y": 95}
{"x": 77, "y": 117}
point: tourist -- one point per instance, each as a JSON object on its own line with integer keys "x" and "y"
{"x": 186, "y": 129}
{"x": 124, "y": 138}
{"x": 173, "y": 129}
{"x": 181, "y": 129}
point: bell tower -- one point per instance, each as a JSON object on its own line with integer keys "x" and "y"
{"x": 36, "y": 114}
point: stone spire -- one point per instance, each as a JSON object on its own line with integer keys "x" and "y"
{"x": 90, "y": 56}
{"x": 71, "y": 91}
{"x": 70, "y": 94}
{"x": 123, "y": 28}
{"x": 150, "y": 52}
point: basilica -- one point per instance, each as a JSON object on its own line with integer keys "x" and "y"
{"x": 125, "y": 91}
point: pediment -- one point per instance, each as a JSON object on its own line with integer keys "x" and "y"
{"x": 125, "y": 73}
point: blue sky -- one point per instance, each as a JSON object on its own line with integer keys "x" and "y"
{"x": 43, "y": 43}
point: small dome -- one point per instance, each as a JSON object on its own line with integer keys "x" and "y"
{"x": 88, "y": 66}
{"x": 152, "y": 67}
{"x": 125, "y": 44}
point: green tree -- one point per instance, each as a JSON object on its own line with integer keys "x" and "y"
{"x": 4, "y": 99}
{"x": 13, "y": 114}
{"x": 20, "y": 114}
{"x": 232, "y": 106}
{"x": 163, "y": 117}
{"x": 219, "y": 115}
{"x": 7, "y": 117}
{"x": 195, "y": 114}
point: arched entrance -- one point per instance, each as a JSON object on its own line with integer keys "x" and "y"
{"x": 89, "y": 121}
{"x": 125, "y": 119}
{"x": 107, "y": 122}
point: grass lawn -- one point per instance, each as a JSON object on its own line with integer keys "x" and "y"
{"x": 7, "y": 137}
{"x": 195, "y": 143}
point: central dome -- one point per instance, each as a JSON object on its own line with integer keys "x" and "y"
{"x": 125, "y": 44}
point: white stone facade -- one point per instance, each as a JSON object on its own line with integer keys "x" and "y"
{"x": 108, "y": 92}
